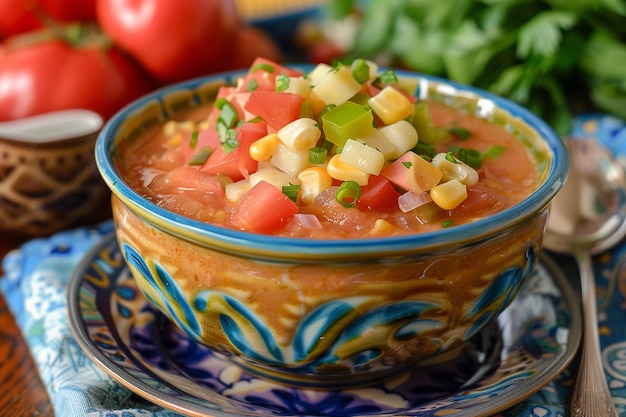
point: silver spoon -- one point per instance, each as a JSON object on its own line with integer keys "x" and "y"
{"x": 588, "y": 216}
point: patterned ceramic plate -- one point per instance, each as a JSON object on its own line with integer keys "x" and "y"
{"x": 533, "y": 340}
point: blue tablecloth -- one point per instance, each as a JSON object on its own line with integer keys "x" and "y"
{"x": 36, "y": 276}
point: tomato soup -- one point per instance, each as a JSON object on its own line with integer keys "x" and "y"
{"x": 351, "y": 157}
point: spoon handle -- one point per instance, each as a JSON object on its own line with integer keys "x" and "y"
{"x": 591, "y": 396}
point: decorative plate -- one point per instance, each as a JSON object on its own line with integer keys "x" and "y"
{"x": 532, "y": 342}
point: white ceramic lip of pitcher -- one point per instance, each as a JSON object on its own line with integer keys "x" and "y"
{"x": 52, "y": 127}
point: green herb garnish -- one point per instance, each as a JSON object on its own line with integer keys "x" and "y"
{"x": 264, "y": 67}
{"x": 282, "y": 83}
{"x": 200, "y": 157}
{"x": 194, "y": 139}
{"x": 317, "y": 155}
{"x": 360, "y": 71}
{"x": 460, "y": 132}
{"x": 291, "y": 191}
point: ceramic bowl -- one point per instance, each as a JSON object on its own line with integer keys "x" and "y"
{"x": 329, "y": 314}
{"x": 48, "y": 175}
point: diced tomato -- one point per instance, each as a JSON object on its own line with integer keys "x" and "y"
{"x": 263, "y": 209}
{"x": 237, "y": 164}
{"x": 186, "y": 179}
{"x": 263, "y": 73}
{"x": 277, "y": 109}
{"x": 378, "y": 194}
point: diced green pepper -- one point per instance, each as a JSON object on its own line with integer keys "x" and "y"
{"x": 347, "y": 121}
{"x": 361, "y": 98}
{"x": 423, "y": 123}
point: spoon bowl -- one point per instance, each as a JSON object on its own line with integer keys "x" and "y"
{"x": 588, "y": 216}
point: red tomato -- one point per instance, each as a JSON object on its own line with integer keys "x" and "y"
{"x": 52, "y": 75}
{"x": 237, "y": 164}
{"x": 277, "y": 109}
{"x": 378, "y": 194}
{"x": 173, "y": 39}
{"x": 18, "y": 16}
{"x": 263, "y": 209}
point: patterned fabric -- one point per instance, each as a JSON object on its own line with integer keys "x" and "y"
{"x": 35, "y": 283}
{"x": 34, "y": 288}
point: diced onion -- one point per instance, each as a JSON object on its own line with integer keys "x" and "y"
{"x": 309, "y": 221}
{"x": 410, "y": 201}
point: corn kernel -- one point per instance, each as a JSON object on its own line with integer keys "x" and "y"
{"x": 170, "y": 128}
{"x": 390, "y": 105}
{"x": 337, "y": 86}
{"x": 402, "y": 137}
{"x": 362, "y": 157}
{"x": 174, "y": 140}
{"x": 300, "y": 135}
{"x": 264, "y": 148}
{"x": 313, "y": 180}
{"x": 345, "y": 172}
{"x": 448, "y": 195}
{"x": 381, "y": 226}
{"x": 235, "y": 190}
{"x": 455, "y": 169}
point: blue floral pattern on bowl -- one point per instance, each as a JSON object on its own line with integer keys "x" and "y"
{"x": 532, "y": 340}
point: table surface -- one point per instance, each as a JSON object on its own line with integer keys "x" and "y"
{"x": 22, "y": 394}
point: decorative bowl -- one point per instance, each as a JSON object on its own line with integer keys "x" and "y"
{"x": 48, "y": 175}
{"x": 329, "y": 313}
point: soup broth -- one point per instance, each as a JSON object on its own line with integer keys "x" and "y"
{"x": 166, "y": 165}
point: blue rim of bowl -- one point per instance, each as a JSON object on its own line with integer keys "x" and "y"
{"x": 289, "y": 247}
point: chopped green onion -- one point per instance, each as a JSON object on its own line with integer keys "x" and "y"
{"x": 328, "y": 145}
{"x": 451, "y": 157}
{"x": 494, "y": 151}
{"x": 226, "y": 120}
{"x": 360, "y": 71}
{"x": 387, "y": 78}
{"x": 194, "y": 139}
{"x": 291, "y": 191}
{"x": 263, "y": 66}
{"x": 317, "y": 155}
{"x": 282, "y": 83}
{"x": 446, "y": 223}
{"x": 348, "y": 193}
{"x": 426, "y": 150}
{"x": 228, "y": 138}
{"x": 306, "y": 110}
{"x": 228, "y": 114}
{"x": 200, "y": 157}
{"x": 255, "y": 119}
{"x": 252, "y": 85}
{"x": 460, "y": 132}
{"x": 407, "y": 164}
